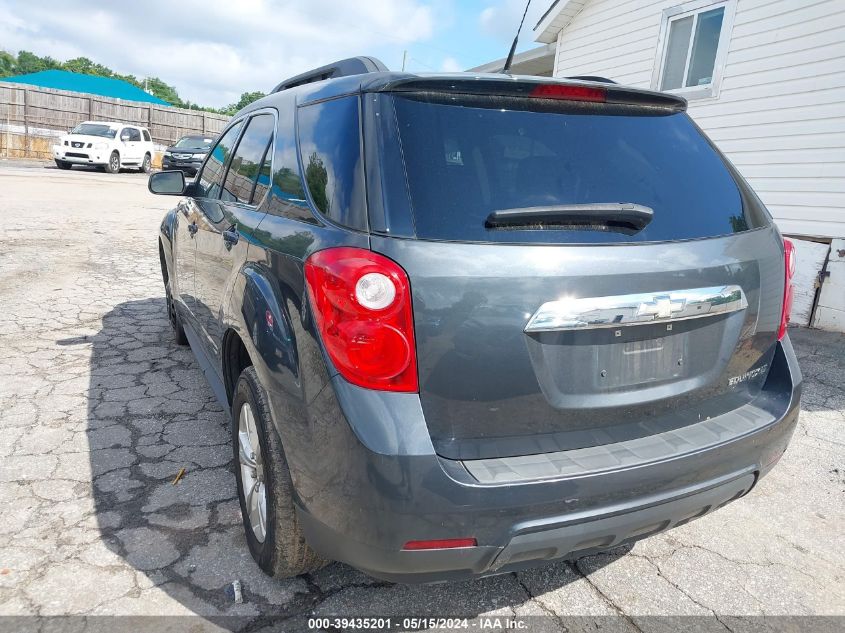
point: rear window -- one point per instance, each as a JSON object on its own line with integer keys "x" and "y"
{"x": 464, "y": 163}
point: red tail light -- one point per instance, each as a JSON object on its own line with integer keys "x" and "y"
{"x": 447, "y": 543}
{"x": 570, "y": 93}
{"x": 789, "y": 273}
{"x": 362, "y": 307}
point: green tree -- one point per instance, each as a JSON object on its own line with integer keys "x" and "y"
{"x": 32, "y": 63}
{"x": 738, "y": 223}
{"x": 317, "y": 179}
{"x": 26, "y": 62}
{"x": 132, "y": 79}
{"x": 244, "y": 101}
{"x": 7, "y": 64}
{"x": 87, "y": 67}
{"x": 157, "y": 87}
{"x": 289, "y": 182}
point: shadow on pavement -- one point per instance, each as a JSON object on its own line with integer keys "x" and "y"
{"x": 150, "y": 415}
{"x": 821, "y": 356}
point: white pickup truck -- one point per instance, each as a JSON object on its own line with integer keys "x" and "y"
{"x": 106, "y": 144}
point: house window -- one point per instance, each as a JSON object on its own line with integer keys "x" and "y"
{"x": 694, "y": 42}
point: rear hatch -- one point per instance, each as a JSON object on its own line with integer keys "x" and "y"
{"x": 583, "y": 272}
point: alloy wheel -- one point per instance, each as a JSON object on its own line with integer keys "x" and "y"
{"x": 252, "y": 472}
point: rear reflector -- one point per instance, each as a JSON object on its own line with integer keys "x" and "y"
{"x": 789, "y": 273}
{"x": 449, "y": 543}
{"x": 570, "y": 93}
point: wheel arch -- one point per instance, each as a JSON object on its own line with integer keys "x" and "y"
{"x": 258, "y": 330}
{"x": 235, "y": 358}
{"x": 165, "y": 266}
{"x": 165, "y": 244}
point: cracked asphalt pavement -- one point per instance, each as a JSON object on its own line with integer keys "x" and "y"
{"x": 99, "y": 410}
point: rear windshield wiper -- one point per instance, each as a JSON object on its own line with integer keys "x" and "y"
{"x": 623, "y": 217}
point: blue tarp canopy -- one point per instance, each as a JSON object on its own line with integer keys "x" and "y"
{"x": 90, "y": 84}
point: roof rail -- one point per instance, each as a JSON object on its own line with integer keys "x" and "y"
{"x": 603, "y": 80}
{"x": 342, "y": 68}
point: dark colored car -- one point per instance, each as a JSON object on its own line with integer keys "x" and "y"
{"x": 466, "y": 324}
{"x": 187, "y": 154}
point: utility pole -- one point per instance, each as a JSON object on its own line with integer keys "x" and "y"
{"x": 404, "y": 57}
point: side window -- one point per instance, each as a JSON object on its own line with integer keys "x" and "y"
{"x": 330, "y": 149}
{"x": 694, "y": 45}
{"x": 262, "y": 184}
{"x": 147, "y": 135}
{"x": 247, "y": 170}
{"x": 211, "y": 178}
{"x": 287, "y": 194}
{"x": 134, "y": 134}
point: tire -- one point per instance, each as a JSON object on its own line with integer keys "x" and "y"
{"x": 113, "y": 166}
{"x": 61, "y": 164}
{"x": 175, "y": 321}
{"x": 278, "y": 546}
{"x": 147, "y": 164}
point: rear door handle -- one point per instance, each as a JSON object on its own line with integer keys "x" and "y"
{"x": 231, "y": 237}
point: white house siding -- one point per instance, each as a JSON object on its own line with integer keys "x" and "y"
{"x": 780, "y": 113}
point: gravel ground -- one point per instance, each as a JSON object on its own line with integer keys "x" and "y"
{"x": 99, "y": 410}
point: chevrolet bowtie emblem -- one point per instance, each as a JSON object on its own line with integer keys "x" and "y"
{"x": 661, "y": 307}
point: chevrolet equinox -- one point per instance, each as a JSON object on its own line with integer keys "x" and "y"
{"x": 469, "y": 323}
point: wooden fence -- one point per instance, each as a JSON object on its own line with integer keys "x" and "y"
{"x": 43, "y": 112}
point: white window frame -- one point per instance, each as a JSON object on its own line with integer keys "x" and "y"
{"x": 695, "y": 8}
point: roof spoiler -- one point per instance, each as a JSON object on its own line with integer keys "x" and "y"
{"x": 539, "y": 88}
{"x": 342, "y": 68}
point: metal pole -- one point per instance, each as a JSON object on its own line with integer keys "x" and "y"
{"x": 404, "y": 57}
{"x": 8, "y": 131}
{"x": 25, "y": 124}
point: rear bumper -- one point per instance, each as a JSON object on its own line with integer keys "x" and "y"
{"x": 388, "y": 487}
{"x": 533, "y": 542}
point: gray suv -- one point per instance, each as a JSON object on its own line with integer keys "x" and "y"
{"x": 467, "y": 324}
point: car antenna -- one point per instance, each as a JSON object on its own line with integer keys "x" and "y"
{"x": 509, "y": 60}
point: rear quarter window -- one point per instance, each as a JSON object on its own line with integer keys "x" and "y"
{"x": 330, "y": 151}
{"x": 463, "y": 163}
